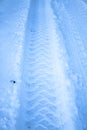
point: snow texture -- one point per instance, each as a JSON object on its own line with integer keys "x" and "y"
{"x": 43, "y": 65}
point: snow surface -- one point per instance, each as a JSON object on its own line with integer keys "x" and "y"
{"x": 43, "y": 65}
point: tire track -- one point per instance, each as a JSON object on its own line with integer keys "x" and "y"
{"x": 46, "y": 102}
{"x": 77, "y": 57}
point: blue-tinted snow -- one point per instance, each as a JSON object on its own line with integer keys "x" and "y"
{"x": 43, "y": 65}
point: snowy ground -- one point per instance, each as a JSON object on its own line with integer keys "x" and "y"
{"x": 43, "y": 65}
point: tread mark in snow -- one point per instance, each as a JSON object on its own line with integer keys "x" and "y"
{"x": 45, "y": 84}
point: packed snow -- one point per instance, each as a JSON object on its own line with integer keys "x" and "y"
{"x": 43, "y": 65}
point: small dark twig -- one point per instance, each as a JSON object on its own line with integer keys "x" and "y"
{"x": 13, "y": 81}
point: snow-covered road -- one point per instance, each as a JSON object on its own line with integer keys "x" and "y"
{"x": 43, "y": 65}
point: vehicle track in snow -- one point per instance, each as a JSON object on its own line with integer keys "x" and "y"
{"x": 71, "y": 18}
{"x": 47, "y": 96}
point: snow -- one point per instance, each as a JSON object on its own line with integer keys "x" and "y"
{"x": 43, "y": 65}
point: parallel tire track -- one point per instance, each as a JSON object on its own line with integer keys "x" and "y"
{"x": 71, "y": 21}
